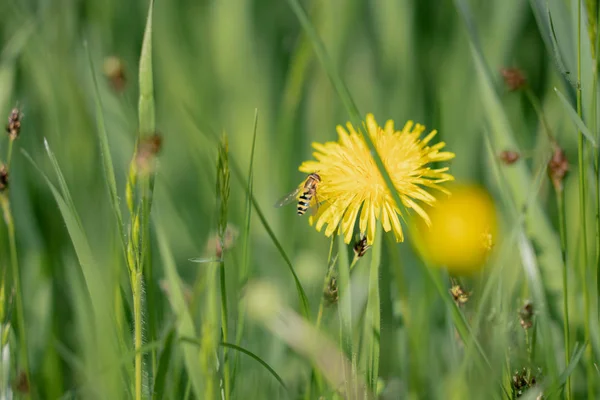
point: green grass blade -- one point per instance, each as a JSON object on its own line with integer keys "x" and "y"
{"x": 575, "y": 118}
{"x": 258, "y": 359}
{"x": 95, "y": 283}
{"x": 62, "y": 183}
{"x": 146, "y": 112}
{"x": 578, "y": 352}
{"x": 244, "y": 351}
{"x": 244, "y": 274}
{"x": 163, "y": 367}
{"x": 97, "y": 286}
{"x": 185, "y": 324}
{"x": 107, "y": 163}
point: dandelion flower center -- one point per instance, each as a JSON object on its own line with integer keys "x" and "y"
{"x": 352, "y": 187}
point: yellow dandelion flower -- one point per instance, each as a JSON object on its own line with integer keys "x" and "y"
{"x": 351, "y": 182}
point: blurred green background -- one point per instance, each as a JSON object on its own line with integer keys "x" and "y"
{"x": 218, "y": 62}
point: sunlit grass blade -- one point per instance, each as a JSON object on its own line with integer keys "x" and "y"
{"x": 575, "y": 118}
{"x": 184, "y": 324}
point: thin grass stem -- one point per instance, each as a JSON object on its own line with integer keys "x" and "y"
{"x": 137, "y": 312}
{"x": 581, "y": 152}
{"x": 560, "y": 201}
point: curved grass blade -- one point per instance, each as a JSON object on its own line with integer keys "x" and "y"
{"x": 575, "y": 118}
{"x": 241, "y": 350}
{"x": 94, "y": 281}
{"x": 257, "y": 358}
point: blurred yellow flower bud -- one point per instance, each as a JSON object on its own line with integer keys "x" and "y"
{"x": 462, "y": 232}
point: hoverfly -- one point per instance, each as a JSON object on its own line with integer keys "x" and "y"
{"x": 309, "y": 190}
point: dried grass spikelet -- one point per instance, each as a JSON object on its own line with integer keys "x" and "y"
{"x": 331, "y": 292}
{"x": 459, "y": 296}
{"x": 558, "y": 166}
{"x": 526, "y": 314}
{"x": 14, "y": 124}
{"x": 217, "y": 246}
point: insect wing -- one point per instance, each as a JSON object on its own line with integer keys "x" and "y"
{"x": 314, "y": 207}
{"x": 288, "y": 198}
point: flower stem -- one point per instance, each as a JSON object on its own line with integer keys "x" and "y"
{"x": 560, "y": 201}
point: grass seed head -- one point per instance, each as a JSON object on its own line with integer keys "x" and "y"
{"x": 558, "y": 166}
{"x": 526, "y": 315}
{"x": 459, "y": 295}
{"x": 522, "y": 381}
{"x": 14, "y": 123}
{"x": 331, "y": 292}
